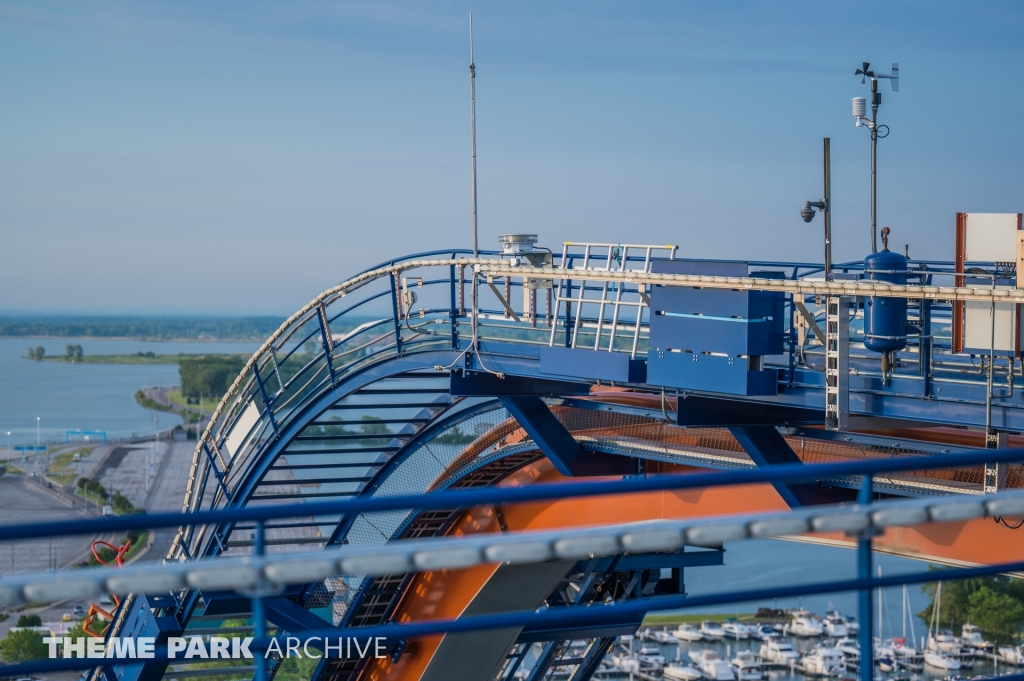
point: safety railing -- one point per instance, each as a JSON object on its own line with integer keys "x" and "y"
{"x": 261, "y": 575}
{"x": 421, "y": 304}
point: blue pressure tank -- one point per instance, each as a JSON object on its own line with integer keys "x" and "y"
{"x": 885, "y": 319}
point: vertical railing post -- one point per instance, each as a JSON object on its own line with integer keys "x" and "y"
{"x": 454, "y": 313}
{"x": 866, "y": 639}
{"x": 259, "y": 618}
{"x": 396, "y": 309}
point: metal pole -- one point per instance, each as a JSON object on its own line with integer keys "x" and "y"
{"x": 990, "y": 438}
{"x": 865, "y": 638}
{"x": 472, "y": 126}
{"x": 828, "y": 209}
{"x": 876, "y": 99}
{"x": 258, "y": 615}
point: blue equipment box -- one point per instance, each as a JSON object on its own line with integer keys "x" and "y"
{"x": 712, "y": 340}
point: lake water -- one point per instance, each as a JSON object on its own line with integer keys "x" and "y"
{"x": 86, "y": 396}
{"x": 764, "y": 563}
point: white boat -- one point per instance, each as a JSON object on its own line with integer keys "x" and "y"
{"x": 682, "y": 672}
{"x": 940, "y": 660}
{"x": 662, "y": 636}
{"x": 822, "y": 661}
{"x": 806, "y": 624}
{"x": 747, "y": 666}
{"x": 835, "y": 625}
{"x": 1012, "y": 655}
{"x": 650, "y": 656}
{"x": 886, "y": 664}
{"x": 970, "y": 637}
{"x": 712, "y": 666}
{"x": 763, "y": 632}
{"x": 943, "y": 641}
{"x": 711, "y": 629}
{"x": 736, "y": 630}
{"x": 625, "y": 662}
{"x": 851, "y": 624}
{"x": 849, "y": 647}
{"x": 688, "y": 632}
{"x": 896, "y": 648}
{"x": 778, "y": 650}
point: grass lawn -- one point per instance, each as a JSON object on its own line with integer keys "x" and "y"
{"x": 66, "y": 459}
{"x": 61, "y": 469}
{"x": 92, "y": 497}
{"x": 13, "y": 470}
{"x": 206, "y": 404}
{"x": 137, "y": 358}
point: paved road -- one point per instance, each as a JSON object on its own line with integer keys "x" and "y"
{"x": 153, "y": 477}
{"x": 24, "y": 502}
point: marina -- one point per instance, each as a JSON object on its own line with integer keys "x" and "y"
{"x": 660, "y": 653}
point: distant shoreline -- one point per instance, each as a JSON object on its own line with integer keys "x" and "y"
{"x": 142, "y": 339}
{"x": 134, "y": 359}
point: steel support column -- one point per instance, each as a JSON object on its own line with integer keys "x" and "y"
{"x": 766, "y": 447}
{"x": 558, "y": 444}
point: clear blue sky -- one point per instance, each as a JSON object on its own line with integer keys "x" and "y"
{"x": 239, "y": 157}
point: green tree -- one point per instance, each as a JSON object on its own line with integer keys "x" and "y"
{"x": 208, "y": 376}
{"x": 23, "y": 645}
{"x": 955, "y": 602}
{"x": 999, "y": 615}
{"x": 29, "y": 621}
{"x": 69, "y": 352}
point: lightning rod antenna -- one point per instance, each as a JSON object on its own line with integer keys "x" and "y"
{"x": 472, "y": 126}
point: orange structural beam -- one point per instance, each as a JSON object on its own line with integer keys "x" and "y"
{"x": 448, "y": 593}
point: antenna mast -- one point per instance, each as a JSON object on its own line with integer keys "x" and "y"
{"x": 877, "y": 131}
{"x": 472, "y": 126}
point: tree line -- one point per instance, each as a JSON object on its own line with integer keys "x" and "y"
{"x": 158, "y": 328}
{"x": 993, "y": 604}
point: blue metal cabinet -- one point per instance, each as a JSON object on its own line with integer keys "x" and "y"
{"x": 712, "y": 340}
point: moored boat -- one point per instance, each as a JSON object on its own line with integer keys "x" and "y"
{"x": 736, "y": 630}
{"x": 712, "y": 630}
{"x": 823, "y": 660}
{"x": 747, "y": 666}
{"x": 970, "y": 637}
{"x": 682, "y": 672}
{"x": 779, "y": 650}
{"x": 688, "y": 632}
{"x": 940, "y": 660}
{"x": 712, "y": 666}
{"x": 806, "y": 624}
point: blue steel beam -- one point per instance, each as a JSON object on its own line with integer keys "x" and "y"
{"x": 767, "y": 448}
{"x": 480, "y": 384}
{"x": 709, "y": 412}
{"x": 559, "y": 445}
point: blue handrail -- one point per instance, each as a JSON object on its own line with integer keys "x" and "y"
{"x": 510, "y": 495}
